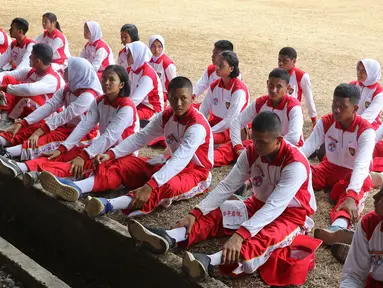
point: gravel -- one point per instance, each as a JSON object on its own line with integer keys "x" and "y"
{"x": 7, "y": 280}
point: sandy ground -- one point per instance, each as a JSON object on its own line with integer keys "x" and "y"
{"x": 330, "y": 36}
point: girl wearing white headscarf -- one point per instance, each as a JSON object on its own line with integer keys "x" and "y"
{"x": 161, "y": 63}
{"x": 371, "y": 100}
{"x": 96, "y": 51}
{"x": 146, "y": 91}
{"x": 34, "y": 135}
{"x": 128, "y": 34}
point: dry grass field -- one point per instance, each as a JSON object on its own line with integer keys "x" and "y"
{"x": 330, "y": 36}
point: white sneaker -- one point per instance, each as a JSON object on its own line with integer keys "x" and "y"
{"x": 377, "y": 179}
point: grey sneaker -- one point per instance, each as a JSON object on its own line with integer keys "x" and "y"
{"x": 196, "y": 265}
{"x": 9, "y": 167}
{"x": 340, "y": 251}
{"x": 30, "y": 178}
{"x": 334, "y": 234}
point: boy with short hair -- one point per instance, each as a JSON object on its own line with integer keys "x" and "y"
{"x": 153, "y": 182}
{"x": 279, "y": 209}
{"x": 299, "y": 80}
{"x": 349, "y": 141}
{"x": 17, "y": 55}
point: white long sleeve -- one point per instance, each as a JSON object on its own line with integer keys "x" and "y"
{"x": 84, "y": 127}
{"x": 135, "y": 142}
{"x": 101, "y": 55}
{"x": 358, "y": 262}
{"x": 295, "y": 125}
{"x": 206, "y": 105}
{"x": 123, "y": 119}
{"x": 243, "y": 119}
{"x": 373, "y": 110}
{"x": 171, "y": 72}
{"x": 75, "y": 109}
{"x": 315, "y": 140}
{"x": 308, "y": 95}
{"x": 83, "y": 53}
{"x": 379, "y": 134}
{"x": 202, "y": 84}
{"x": 194, "y": 136}
{"x": 234, "y": 180}
{"x": 361, "y": 170}
{"x": 20, "y": 74}
{"x": 238, "y": 100}
{"x": 145, "y": 85}
{"x": 6, "y": 57}
{"x": 48, "y": 108}
{"x": 292, "y": 178}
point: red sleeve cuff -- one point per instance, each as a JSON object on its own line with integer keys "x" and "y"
{"x": 152, "y": 183}
{"x": 84, "y": 155}
{"x": 196, "y": 213}
{"x": 62, "y": 149}
{"x": 45, "y": 128}
{"x": 244, "y": 233}
{"x": 354, "y": 195}
{"x": 238, "y": 147}
{"x": 111, "y": 154}
{"x": 24, "y": 123}
{"x": 313, "y": 119}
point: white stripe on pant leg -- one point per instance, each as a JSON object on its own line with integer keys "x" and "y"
{"x": 30, "y": 154}
{"x": 251, "y": 265}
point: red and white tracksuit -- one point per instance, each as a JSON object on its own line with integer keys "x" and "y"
{"x": 146, "y": 92}
{"x": 364, "y": 263}
{"x": 377, "y": 156}
{"x": 370, "y": 103}
{"x": 59, "y": 44}
{"x": 5, "y": 42}
{"x": 348, "y": 157}
{"x": 57, "y": 127}
{"x": 300, "y": 84}
{"x": 17, "y": 53}
{"x": 222, "y": 105}
{"x": 27, "y": 90}
{"x": 99, "y": 55}
{"x": 182, "y": 176}
{"x": 166, "y": 71}
{"x": 289, "y": 112}
{"x": 116, "y": 120}
{"x": 279, "y": 210}
{"x": 122, "y": 58}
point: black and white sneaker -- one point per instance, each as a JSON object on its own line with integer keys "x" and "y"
{"x": 9, "y": 167}
{"x": 5, "y": 153}
{"x": 154, "y": 239}
{"x": 196, "y": 265}
{"x": 30, "y": 178}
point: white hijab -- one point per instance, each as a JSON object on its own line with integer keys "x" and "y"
{"x": 140, "y": 52}
{"x": 95, "y": 31}
{"x": 81, "y": 75}
{"x": 159, "y": 38}
{"x": 373, "y": 71}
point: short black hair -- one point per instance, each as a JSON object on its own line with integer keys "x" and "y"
{"x": 233, "y": 61}
{"x": 124, "y": 78}
{"x": 345, "y": 90}
{"x": 280, "y": 74}
{"x": 289, "y": 52}
{"x": 43, "y": 52}
{"x": 224, "y": 45}
{"x": 132, "y": 30}
{"x": 21, "y": 24}
{"x": 267, "y": 121}
{"x": 180, "y": 82}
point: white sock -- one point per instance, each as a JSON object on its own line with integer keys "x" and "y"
{"x": 177, "y": 233}
{"x": 23, "y": 167}
{"x": 86, "y": 185}
{"x": 121, "y": 202}
{"x": 216, "y": 259}
{"x": 341, "y": 222}
{"x": 15, "y": 151}
{"x": 4, "y": 142}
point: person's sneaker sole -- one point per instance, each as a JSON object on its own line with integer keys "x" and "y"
{"x": 340, "y": 251}
{"x": 7, "y": 169}
{"x": 28, "y": 180}
{"x": 94, "y": 207}
{"x": 51, "y": 184}
{"x": 377, "y": 179}
{"x": 193, "y": 268}
{"x": 151, "y": 241}
{"x": 328, "y": 237}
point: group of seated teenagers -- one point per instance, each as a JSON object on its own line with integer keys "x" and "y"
{"x": 76, "y": 125}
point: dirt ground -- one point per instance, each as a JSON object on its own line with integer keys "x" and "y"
{"x": 330, "y": 36}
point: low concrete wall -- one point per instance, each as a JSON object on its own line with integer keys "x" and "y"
{"x": 81, "y": 251}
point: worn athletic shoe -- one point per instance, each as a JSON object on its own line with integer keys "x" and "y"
{"x": 334, "y": 234}
{"x": 95, "y": 206}
{"x": 340, "y": 251}
{"x": 30, "y": 178}
{"x": 154, "y": 239}
{"x": 377, "y": 179}
{"x": 9, "y": 167}
{"x": 64, "y": 188}
{"x": 4, "y": 152}
{"x": 196, "y": 265}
